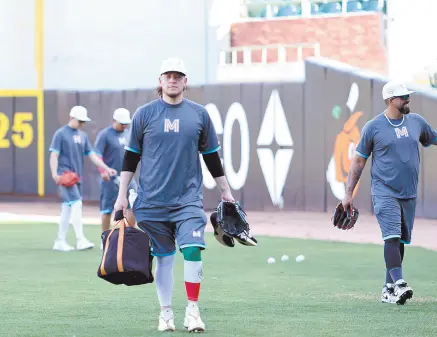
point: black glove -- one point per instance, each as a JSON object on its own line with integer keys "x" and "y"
{"x": 232, "y": 220}
{"x": 344, "y": 219}
{"x": 219, "y": 235}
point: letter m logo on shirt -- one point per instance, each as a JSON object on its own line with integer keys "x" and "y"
{"x": 171, "y": 126}
{"x": 77, "y": 139}
{"x": 401, "y": 132}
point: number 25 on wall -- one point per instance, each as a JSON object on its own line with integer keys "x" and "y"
{"x": 22, "y": 131}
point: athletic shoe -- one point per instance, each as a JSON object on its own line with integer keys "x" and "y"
{"x": 62, "y": 246}
{"x": 166, "y": 325}
{"x": 402, "y": 292}
{"x": 387, "y": 293}
{"x": 192, "y": 321}
{"x": 84, "y": 244}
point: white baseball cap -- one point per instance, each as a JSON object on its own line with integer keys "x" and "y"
{"x": 173, "y": 64}
{"x": 395, "y": 89}
{"x": 80, "y": 113}
{"x": 122, "y": 116}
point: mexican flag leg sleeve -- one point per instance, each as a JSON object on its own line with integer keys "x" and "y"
{"x": 192, "y": 278}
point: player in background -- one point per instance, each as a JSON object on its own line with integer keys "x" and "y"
{"x": 393, "y": 138}
{"x": 167, "y": 136}
{"x": 68, "y": 148}
{"x": 109, "y": 146}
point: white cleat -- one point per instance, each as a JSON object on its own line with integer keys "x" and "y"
{"x": 166, "y": 325}
{"x": 402, "y": 292}
{"x": 192, "y": 321}
{"x": 387, "y": 294}
{"x": 84, "y": 244}
{"x": 62, "y": 246}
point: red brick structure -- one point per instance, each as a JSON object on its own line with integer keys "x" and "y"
{"x": 356, "y": 39}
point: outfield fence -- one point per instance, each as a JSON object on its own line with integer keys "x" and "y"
{"x": 285, "y": 145}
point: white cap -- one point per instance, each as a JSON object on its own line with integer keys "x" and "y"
{"x": 122, "y": 116}
{"x": 80, "y": 113}
{"x": 395, "y": 89}
{"x": 173, "y": 64}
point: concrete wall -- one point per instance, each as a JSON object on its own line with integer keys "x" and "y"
{"x": 106, "y": 44}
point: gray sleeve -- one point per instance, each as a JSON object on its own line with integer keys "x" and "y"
{"x": 56, "y": 145}
{"x": 87, "y": 148}
{"x": 100, "y": 144}
{"x": 136, "y": 132}
{"x": 208, "y": 141}
{"x": 428, "y": 135}
{"x": 365, "y": 145}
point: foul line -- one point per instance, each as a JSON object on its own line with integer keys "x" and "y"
{"x": 41, "y": 145}
{"x": 39, "y": 65}
{"x": 38, "y": 93}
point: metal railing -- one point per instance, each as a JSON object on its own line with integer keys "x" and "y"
{"x": 230, "y": 55}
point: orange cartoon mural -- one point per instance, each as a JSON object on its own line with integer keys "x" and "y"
{"x": 344, "y": 149}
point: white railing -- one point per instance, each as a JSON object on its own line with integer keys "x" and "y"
{"x": 230, "y": 55}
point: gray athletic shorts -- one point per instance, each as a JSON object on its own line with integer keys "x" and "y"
{"x": 395, "y": 217}
{"x": 69, "y": 195}
{"x": 166, "y": 225}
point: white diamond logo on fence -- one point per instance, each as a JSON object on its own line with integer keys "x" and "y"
{"x": 275, "y": 166}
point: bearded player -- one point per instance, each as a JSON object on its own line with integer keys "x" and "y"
{"x": 393, "y": 138}
{"x": 167, "y": 135}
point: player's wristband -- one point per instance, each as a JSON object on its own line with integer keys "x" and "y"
{"x": 214, "y": 165}
{"x": 130, "y": 161}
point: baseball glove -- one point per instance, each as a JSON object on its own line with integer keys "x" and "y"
{"x": 68, "y": 179}
{"x": 232, "y": 220}
{"x": 345, "y": 219}
{"x": 219, "y": 234}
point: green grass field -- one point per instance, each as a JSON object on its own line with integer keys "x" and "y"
{"x": 334, "y": 292}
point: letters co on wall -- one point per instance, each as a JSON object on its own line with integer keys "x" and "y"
{"x": 284, "y": 145}
{"x": 257, "y": 145}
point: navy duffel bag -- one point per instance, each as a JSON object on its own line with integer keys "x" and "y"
{"x": 126, "y": 255}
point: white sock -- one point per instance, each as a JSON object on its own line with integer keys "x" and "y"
{"x": 64, "y": 222}
{"x": 76, "y": 219}
{"x": 167, "y": 314}
{"x": 164, "y": 279}
{"x": 192, "y": 305}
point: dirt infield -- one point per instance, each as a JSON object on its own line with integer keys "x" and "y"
{"x": 282, "y": 223}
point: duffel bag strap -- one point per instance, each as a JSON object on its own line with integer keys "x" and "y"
{"x": 121, "y": 223}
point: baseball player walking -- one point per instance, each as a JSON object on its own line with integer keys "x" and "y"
{"x": 109, "y": 146}
{"x": 167, "y": 135}
{"x": 68, "y": 148}
{"x": 393, "y": 137}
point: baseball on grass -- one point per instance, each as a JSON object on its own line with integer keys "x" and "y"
{"x": 284, "y": 258}
{"x": 271, "y": 260}
{"x": 300, "y": 258}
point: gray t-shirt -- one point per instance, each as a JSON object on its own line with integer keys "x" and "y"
{"x": 71, "y": 145}
{"x": 169, "y": 139}
{"x": 110, "y": 145}
{"x": 395, "y": 149}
